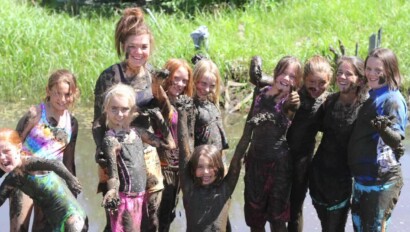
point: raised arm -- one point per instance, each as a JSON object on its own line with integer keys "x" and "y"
{"x": 110, "y": 148}
{"x": 40, "y": 164}
{"x": 69, "y": 151}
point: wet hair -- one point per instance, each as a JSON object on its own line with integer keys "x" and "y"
{"x": 65, "y": 76}
{"x": 120, "y": 90}
{"x": 172, "y": 66}
{"x": 130, "y": 24}
{"x": 284, "y": 63}
{"x": 10, "y": 135}
{"x": 317, "y": 64}
{"x": 390, "y": 66}
{"x": 213, "y": 153}
{"x": 203, "y": 66}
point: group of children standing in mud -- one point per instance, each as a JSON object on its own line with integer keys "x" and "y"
{"x": 159, "y": 132}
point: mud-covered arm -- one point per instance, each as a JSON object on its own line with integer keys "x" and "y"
{"x": 167, "y": 142}
{"x": 6, "y": 188}
{"x": 69, "y": 151}
{"x": 382, "y": 125}
{"x": 256, "y": 75}
{"x": 27, "y": 122}
{"x": 40, "y": 164}
{"x": 159, "y": 93}
{"x": 111, "y": 147}
{"x": 240, "y": 150}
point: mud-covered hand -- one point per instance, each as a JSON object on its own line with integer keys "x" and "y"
{"x": 293, "y": 101}
{"x": 184, "y": 103}
{"x": 399, "y": 151}
{"x": 382, "y": 125}
{"x": 99, "y": 158}
{"x": 74, "y": 185}
{"x": 111, "y": 200}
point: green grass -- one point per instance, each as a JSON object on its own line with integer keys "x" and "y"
{"x": 36, "y": 41}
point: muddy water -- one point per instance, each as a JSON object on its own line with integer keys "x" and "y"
{"x": 87, "y": 169}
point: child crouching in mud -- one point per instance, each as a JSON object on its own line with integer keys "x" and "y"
{"x": 43, "y": 181}
{"x": 206, "y": 191}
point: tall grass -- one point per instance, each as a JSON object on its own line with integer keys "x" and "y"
{"x": 35, "y": 41}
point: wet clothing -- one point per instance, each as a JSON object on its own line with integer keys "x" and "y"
{"x": 330, "y": 180}
{"x": 129, "y": 213}
{"x": 301, "y": 139}
{"x": 169, "y": 166}
{"x": 49, "y": 192}
{"x": 376, "y": 171}
{"x": 47, "y": 141}
{"x": 208, "y": 125}
{"x": 268, "y": 164}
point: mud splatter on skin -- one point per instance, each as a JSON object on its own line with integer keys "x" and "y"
{"x": 382, "y": 80}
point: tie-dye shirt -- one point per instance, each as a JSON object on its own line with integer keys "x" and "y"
{"x": 47, "y": 141}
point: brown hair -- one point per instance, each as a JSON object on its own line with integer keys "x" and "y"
{"x": 317, "y": 64}
{"x": 10, "y": 135}
{"x": 213, "y": 153}
{"x": 390, "y": 66}
{"x": 172, "y": 66}
{"x": 206, "y": 65}
{"x": 131, "y": 23}
{"x": 284, "y": 63}
{"x": 65, "y": 76}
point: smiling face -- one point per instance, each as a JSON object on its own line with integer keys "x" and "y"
{"x": 118, "y": 112}
{"x": 317, "y": 83}
{"x": 205, "y": 85}
{"x": 179, "y": 82}
{"x": 60, "y": 97}
{"x": 205, "y": 171}
{"x": 137, "y": 49}
{"x": 287, "y": 78}
{"x": 374, "y": 72}
{"x": 346, "y": 78}
{"x": 9, "y": 156}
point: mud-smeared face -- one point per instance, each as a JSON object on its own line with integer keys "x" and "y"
{"x": 119, "y": 112}
{"x": 9, "y": 156}
{"x": 375, "y": 73}
{"x": 137, "y": 50}
{"x": 205, "y": 85}
{"x": 60, "y": 97}
{"x": 286, "y": 79}
{"x": 179, "y": 82}
{"x": 205, "y": 170}
{"x": 316, "y": 84}
{"x": 346, "y": 78}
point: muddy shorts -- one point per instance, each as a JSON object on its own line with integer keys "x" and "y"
{"x": 129, "y": 213}
{"x": 267, "y": 191}
{"x": 372, "y": 205}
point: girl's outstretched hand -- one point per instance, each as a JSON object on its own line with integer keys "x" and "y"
{"x": 74, "y": 185}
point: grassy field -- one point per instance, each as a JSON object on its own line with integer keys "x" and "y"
{"x": 36, "y": 41}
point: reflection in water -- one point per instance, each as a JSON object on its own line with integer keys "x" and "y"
{"x": 87, "y": 173}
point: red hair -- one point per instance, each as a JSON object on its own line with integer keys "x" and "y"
{"x": 10, "y": 136}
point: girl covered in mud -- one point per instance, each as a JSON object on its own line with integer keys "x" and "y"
{"x": 49, "y": 131}
{"x": 179, "y": 82}
{"x": 123, "y": 149}
{"x": 375, "y": 145}
{"x": 206, "y": 190}
{"x": 330, "y": 180}
{"x": 45, "y": 181}
{"x": 134, "y": 42}
{"x": 268, "y": 165}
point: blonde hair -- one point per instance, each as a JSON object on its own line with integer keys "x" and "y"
{"x": 131, "y": 23}
{"x": 203, "y": 66}
{"x": 120, "y": 90}
{"x": 318, "y": 64}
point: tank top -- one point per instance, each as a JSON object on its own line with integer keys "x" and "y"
{"x": 47, "y": 141}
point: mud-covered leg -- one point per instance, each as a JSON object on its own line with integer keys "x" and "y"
{"x": 76, "y": 223}
{"x": 21, "y": 207}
